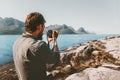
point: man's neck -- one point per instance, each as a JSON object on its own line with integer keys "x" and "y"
{"x": 32, "y": 33}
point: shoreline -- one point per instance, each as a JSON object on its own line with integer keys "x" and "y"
{"x": 79, "y": 61}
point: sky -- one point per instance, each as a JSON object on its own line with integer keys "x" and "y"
{"x": 99, "y": 16}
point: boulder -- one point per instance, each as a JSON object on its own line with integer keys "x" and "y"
{"x": 100, "y": 73}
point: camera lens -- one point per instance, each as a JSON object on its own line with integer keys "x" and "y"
{"x": 49, "y": 33}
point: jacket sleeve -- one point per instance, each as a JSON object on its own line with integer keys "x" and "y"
{"x": 43, "y": 53}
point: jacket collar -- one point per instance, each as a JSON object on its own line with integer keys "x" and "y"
{"x": 26, "y": 34}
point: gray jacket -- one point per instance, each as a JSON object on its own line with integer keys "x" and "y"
{"x": 30, "y": 58}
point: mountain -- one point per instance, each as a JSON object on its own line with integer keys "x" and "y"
{"x": 62, "y": 29}
{"x": 81, "y": 30}
{"x": 11, "y": 26}
{"x": 14, "y": 26}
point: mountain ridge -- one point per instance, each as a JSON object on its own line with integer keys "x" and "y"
{"x": 11, "y": 25}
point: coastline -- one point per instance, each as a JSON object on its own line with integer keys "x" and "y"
{"x": 94, "y": 60}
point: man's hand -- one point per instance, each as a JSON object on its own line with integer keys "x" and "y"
{"x": 49, "y": 39}
{"x": 53, "y": 37}
{"x": 55, "y": 46}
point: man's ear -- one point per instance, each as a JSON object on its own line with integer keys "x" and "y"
{"x": 40, "y": 27}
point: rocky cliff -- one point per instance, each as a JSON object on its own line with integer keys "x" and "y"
{"x": 94, "y": 60}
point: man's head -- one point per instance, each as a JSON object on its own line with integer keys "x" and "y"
{"x": 35, "y": 23}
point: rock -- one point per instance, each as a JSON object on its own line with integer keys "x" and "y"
{"x": 102, "y": 73}
{"x": 77, "y": 76}
{"x": 95, "y": 53}
{"x": 89, "y": 57}
{"x": 113, "y": 47}
{"x": 111, "y": 66}
{"x": 71, "y": 48}
{"x": 55, "y": 72}
{"x": 7, "y": 72}
{"x": 67, "y": 69}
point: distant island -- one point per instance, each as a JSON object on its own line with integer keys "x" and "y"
{"x": 65, "y": 29}
{"x": 14, "y": 26}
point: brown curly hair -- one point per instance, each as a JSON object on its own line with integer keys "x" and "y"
{"x": 33, "y": 20}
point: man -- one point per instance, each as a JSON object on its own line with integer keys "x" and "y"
{"x": 30, "y": 53}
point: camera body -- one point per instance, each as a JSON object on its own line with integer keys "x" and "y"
{"x": 52, "y": 33}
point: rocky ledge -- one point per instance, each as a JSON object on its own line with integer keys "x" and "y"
{"x": 94, "y": 60}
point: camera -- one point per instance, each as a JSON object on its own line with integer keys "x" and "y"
{"x": 52, "y": 33}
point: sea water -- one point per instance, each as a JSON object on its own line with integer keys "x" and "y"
{"x": 64, "y": 41}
